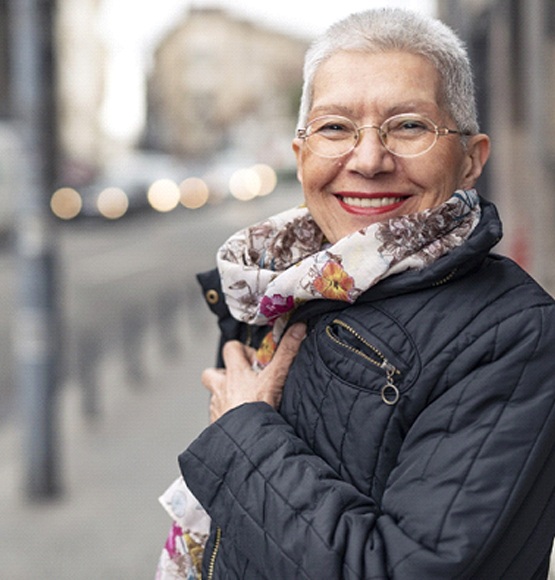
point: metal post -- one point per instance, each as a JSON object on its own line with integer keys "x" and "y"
{"x": 37, "y": 329}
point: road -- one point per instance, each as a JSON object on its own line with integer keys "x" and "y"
{"x": 116, "y": 279}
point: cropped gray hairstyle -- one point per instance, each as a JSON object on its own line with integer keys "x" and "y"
{"x": 394, "y": 29}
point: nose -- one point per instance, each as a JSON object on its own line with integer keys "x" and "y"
{"x": 370, "y": 157}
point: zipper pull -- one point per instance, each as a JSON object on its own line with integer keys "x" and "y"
{"x": 390, "y": 393}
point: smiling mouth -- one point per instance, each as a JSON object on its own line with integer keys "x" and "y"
{"x": 377, "y": 202}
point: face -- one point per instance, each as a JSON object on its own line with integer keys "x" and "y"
{"x": 370, "y": 184}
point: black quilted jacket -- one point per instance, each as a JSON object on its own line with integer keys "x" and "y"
{"x": 415, "y": 439}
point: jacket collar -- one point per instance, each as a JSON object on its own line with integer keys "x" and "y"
{"x": 458, "y": 263}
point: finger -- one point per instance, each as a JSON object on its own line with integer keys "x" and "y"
{"x": 212, "y": 378}
{"x": 213, "y": 411}
{"x": 235, "y": 356}
{"x": 288, "y": 348}
{"x": 250, "y": 353}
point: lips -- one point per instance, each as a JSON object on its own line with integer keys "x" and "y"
{"x": 370, "y": 205}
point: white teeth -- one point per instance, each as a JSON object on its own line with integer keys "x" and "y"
{"x": 371, "y": 202}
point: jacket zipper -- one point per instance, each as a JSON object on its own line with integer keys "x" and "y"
{"x": 446, "y": 278}
{"x": 214, "y": 553}
{"x": 390, "y": 392}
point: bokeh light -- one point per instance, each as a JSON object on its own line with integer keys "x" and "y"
{"x": 247, "y": 183}
{"x": 268, "y": 178}
{"x": 66, "y": 203}
{"x": 164, "y": 195}
{"x": 194, "y": 192}
{"x": 244, "y": 184}
{"x": 112, "y": 203}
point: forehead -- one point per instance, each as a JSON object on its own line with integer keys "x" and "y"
{"x": 381, "y": 81}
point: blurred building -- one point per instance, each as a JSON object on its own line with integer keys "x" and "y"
{"x": 222, "y": 83}
{"x": 81, "y": 72}
{"x": 512, "y": 44}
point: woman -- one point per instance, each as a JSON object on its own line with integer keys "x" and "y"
{"x": 408, "y": 432}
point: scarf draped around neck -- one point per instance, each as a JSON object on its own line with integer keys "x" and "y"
{"x": 271, "y": 268}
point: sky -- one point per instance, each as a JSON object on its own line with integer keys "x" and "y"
{"x": 146, "y": 19}
{"x": 132, "y": 28}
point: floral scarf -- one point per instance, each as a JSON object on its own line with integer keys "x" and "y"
{"x": 270, "y": 269}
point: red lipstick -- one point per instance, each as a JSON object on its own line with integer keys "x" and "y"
{"x": 397, "y": 201}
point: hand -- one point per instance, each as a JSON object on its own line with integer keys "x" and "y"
{"x": 238, "y": 383}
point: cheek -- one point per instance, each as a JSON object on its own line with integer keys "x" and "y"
{"x": 441, "y": 176}
{"x": 314, "y": 172}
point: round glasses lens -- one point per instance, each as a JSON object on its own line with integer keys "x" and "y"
{"x": 331, "y": 136}
{"x": 408, "y": 135}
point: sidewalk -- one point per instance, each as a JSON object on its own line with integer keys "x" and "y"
{"x": 108, "y": 523}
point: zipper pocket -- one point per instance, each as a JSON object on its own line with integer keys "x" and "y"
{"x": 389, "y": 392}
{"x": 214, "y": 554}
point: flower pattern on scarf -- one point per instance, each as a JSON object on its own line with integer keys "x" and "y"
{"x": 272, "y": 247}
{"x": 271, "y": 268}
{"x": 333, "y": 282}
{"x": 412, "y": 233}
{"x": 265, "y": 351}
{"x": 274, "y": 306}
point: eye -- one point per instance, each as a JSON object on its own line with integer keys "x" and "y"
{"x": 412, "y": 125}
{"x": 332, "y": 128}
{"x": 408, "y": 126}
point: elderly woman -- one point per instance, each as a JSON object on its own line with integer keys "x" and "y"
{"x": 409, "y": 431}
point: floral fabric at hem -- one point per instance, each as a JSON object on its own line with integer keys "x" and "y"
{"x": 181, "y": 557}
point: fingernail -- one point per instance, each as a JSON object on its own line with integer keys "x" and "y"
{"x": 298, "y": 330}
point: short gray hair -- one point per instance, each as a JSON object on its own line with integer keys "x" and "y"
{"x": 394, "y": 29}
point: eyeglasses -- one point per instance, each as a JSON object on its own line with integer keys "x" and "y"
{"x": 405, "y": 135}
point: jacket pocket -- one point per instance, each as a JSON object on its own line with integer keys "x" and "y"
{"x": 349, "y": 338}
{"x": 377, "y": 356}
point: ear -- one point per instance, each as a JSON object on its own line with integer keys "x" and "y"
{"x": 476, "y": 155}
{"x": 297, "y": 149}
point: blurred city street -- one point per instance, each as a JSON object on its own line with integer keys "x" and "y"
{"x": 138, "y": 137}
{"x": 137, "y": 335}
